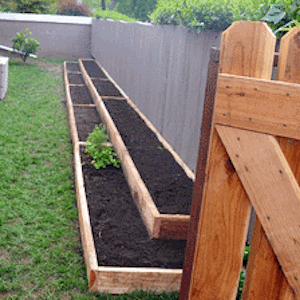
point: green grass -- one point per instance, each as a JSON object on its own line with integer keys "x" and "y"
{"x": 39, "y": 237}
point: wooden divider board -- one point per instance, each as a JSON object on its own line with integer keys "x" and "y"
{"x": 165, "y": 226}
{"x": 114, "y": 280}
{"x": 246, "y": 50}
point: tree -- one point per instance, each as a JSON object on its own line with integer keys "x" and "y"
{"x": 103, "y": 4}
{"x": 112, "y": 4}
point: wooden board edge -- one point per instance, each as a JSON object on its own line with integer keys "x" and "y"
{"x": 72, "y": 123}
{"x": 118, "y": 280}
{"x": 174, "y": 227}
{"x": 177, "y": 158}
{"x": 84, "y": 218}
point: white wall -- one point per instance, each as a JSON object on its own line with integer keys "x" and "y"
{"x": 60, "y": 36}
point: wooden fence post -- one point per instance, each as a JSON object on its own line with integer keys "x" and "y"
{"x": 247, "y": 50}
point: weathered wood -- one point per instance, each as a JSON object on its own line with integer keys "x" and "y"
{"x": 266, "y": 175}
{"x": 112, "y": 97}
{"x": 225, "y": 205}
{"x": 257, "y": 104}
{"x": 100, "y": 79}
{"x": 76, "y": 84}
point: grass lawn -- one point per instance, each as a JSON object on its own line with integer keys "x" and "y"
{"x": 40, "y": 250}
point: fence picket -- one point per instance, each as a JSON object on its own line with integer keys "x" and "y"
{"x": 225, "y": 207}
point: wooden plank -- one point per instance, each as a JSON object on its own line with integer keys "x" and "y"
{"x": 216, "y": 265}
{"x": 122, "y": 280}
{"x": 100, "y": 79}
{"x": 266, "y": 175}
{"x": 84, "y": 105}
{"x": 267, "y": 106}
{"x": 263, "y": 271}
{"x": 84, "y": 219}
{"x": 289, "y": 62}
{"x": 205, "y": 130}
{"x": 262, "y": 259}
{"x": 247, "y": 49}
{"x": 112, "y": 97}
{"x": 76, "y": 84}
{"x": 222, "y": 232}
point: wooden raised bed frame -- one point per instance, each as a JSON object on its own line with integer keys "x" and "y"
{"x": 115, "y": 280}
{"x": 159, "y": 225}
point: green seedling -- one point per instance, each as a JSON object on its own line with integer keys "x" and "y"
{"x": 96, "y": 147}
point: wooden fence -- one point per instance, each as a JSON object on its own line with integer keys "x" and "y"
{"x": 252, "y": 158}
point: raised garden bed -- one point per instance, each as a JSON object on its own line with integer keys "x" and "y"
{"x": 164, "y": 201}
{"x": 118, "y": 252}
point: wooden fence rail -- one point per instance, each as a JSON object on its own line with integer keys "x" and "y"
{"x": 252, "y": 159}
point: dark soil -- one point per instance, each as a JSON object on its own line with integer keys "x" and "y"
{"x": 75, "y": 79}
{"x": 73, "y": 67}
{"x": 93, "y": 70}
{"x": 80, "y": 95}
{"x": 119, "y": 233}
{"x": 86, "y": 119}
{"x": 106, "y": 88}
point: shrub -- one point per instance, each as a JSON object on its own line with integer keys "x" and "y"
{"x": 27, "y": 46}
{"x": 102, "y": 154}
{"x": 212, "y": 15}
{"x": 33, "y": 6}
{"x": 108, "y": 14}
{"x": 70, "y": 8}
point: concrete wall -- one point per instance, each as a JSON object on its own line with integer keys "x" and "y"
{"x": 60, "y": 36}
{"x": 163, "y": 71}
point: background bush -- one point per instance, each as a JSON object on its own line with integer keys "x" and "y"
{"x": 213, "y": 15}
{"x": 109, "y": 14}
{"x": 33, "y": 6}
{"x": 71, "y": 8}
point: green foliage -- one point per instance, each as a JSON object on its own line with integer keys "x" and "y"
{"x": 138, "y": 9}
{"x": 108, "y": 14}
{"x": 210, "y": 15}
{"x": 102, "y": 154}
{"x": 283, "y": 17}
{"x": 71, "y": 8}
{"x": 33, "y": 6}
{"x": 27, "y": 46}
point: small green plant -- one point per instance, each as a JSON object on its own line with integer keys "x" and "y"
{"x": 27, "y": 46}
{"x": 96, "y": 146}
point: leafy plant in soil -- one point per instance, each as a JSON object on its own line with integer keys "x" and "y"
{"x": 27, "y": 46}
{"x": 96, "y": 146}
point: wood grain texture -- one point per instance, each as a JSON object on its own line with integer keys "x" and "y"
{"x": 256, "y": 104}
{"x": 289, "y": 60}
{"x": 241, "y": 45}
{"x": 222, "y": 230}
{"x": 247, "y": 49}
{"x": 121, "y": 280}
{"x": 266, "y": 175}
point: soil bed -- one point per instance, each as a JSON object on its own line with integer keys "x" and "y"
{"x": 80, "y": 95}
{"x": 169, "y": 186}
{"x": 120, "y": 236}
{"x": 86, "y": 119}
{"x": 73, "y": 67}
{"x": 94, "y": 72}
{"x": 106, "y": 88}
{"x": 75, "y": 79}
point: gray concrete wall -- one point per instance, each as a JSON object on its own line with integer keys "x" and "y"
{"x": 60, "y": 36}
{"x": 163, "y": 71}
